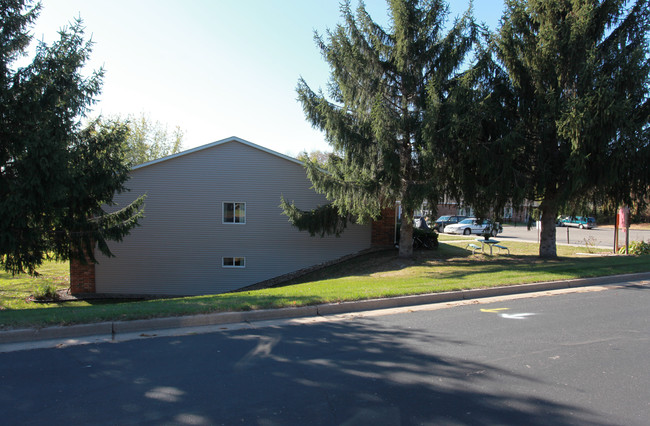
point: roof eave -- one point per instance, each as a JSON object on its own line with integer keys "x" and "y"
{"x": 212, "y": 145}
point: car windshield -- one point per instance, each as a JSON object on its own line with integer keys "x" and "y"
{"x": 443, "y": 218}
{"x": 466, "y": 221}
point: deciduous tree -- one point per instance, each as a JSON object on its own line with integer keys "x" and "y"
{"x": 149, "y": 140}
{"x": 317, "y": 156}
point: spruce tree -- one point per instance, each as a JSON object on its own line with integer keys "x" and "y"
{"x": 55, "y": 177}
{"x": 387, "y": 86}
{"x": 577, "y": 110}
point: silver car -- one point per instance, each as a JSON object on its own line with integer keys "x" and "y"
{"x": 472, "y": 225}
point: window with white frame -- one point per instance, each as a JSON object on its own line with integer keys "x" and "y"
{"x": 234, "y": 212}
{"x": 233, "y": 262}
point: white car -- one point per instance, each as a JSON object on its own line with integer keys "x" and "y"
{"x": 472, "y": 225}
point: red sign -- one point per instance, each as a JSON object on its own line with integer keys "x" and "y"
{"x": 623, "y": 217}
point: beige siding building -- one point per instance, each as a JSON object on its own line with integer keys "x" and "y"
{"x": 213, "y": 224}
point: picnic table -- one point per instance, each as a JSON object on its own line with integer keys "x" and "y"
{"x": 490, "y": 242}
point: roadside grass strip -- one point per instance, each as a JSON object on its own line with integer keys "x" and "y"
{"x": 377, "y": 275}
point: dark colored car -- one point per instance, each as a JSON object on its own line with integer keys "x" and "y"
{"x": 442, "y": 221}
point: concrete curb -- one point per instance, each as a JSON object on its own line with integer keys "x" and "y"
{"x": 59, "y": 332}
{"x": 110, "y": 329}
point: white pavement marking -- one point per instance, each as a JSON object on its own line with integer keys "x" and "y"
{"x": 516, "y": 316}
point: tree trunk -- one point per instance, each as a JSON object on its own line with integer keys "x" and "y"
{"x": 406, "y": 234}
{"x": 547, "y": 246}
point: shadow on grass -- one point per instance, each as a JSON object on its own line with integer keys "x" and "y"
{"x": 384, "y": 261}
{"x": 454, "y": 262}
{"x": 366, "y": 265}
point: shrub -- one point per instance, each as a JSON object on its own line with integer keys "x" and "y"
{"x": 590, "y": 243}
{"x": 636, "y": 248}
{"x": 424, "y": 239}
{"x": 46, "y": 291}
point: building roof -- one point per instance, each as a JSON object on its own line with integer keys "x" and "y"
{"x": 217, "y": 143}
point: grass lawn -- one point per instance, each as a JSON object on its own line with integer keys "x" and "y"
{"x": 15, "y": 290}
{"x": 382, "y": 274}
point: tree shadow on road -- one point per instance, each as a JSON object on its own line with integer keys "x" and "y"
{"x": 337, "y": 372}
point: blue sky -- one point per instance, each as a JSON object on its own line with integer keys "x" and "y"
{"x": 216, "y": 68}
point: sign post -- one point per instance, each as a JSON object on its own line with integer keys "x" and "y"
{"x": 616, "y": 234}
{"x": 623, "y": 221}
{"x": 627, "y": 230}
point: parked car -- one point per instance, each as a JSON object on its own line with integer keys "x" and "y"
{"x": 442, "y": 221}
{"x": 472, "y": 225}
{"x": 578, "y": 222}
{"x": 561, "y": 220}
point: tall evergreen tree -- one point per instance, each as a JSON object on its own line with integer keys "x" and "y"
{"x": 578, "y": 108}
{"x": 54, "y": 176}
{"x": 387, "y": 86}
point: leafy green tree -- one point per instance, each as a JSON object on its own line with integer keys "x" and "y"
{"x": 317, "y": 156}
{"x": 579, "y": 72}
{"x": 388, "y": 86}
{"x": 54, "y": 176}
{"x": 149, "y": 140}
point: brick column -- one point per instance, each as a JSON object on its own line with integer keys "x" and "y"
{"x": 383, "y": 229}
{"x": 82, "y": 277}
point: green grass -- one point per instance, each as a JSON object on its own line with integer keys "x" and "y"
{"x": 382, "y": 274}
{"x": 14, "y": 290}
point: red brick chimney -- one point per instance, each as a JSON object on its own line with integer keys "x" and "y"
{"x": 383, "y": 229}
{"x": 82, "y": 277}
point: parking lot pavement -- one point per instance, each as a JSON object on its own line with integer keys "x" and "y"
{"x": 599, "y": 236}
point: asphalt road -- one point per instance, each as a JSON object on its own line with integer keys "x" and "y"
{"x": 576, "y": 358}
{"x": 602, "y": 237}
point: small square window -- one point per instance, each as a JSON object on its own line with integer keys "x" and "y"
{"x": 233, "y": 262}
{"x": 234, "y": 212}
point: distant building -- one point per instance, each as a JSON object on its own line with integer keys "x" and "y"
{"x": 451, "y": 207}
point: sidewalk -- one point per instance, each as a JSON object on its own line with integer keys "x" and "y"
{"x": 109, "y": 330}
